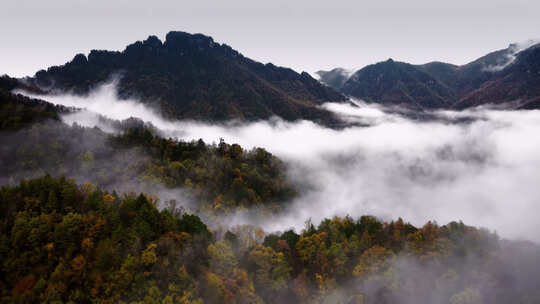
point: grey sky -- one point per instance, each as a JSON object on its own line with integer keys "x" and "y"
{"x": 303, "y": 34}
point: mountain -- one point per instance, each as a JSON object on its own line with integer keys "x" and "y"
{"x": 445, "y": 73}
{"x": 189, "y": 76}
{"x": 398, "y": 83}
{"x": 508, "y": 78}
{"x": 334, "y": 78}
{"x": 516, "y": 85}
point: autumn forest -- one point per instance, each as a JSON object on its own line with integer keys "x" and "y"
{"x": 181, "y": 171}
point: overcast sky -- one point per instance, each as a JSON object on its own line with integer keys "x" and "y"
{"x": 306, "y": 35}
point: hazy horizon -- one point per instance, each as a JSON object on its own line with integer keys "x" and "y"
{"x": 303, "y": 35}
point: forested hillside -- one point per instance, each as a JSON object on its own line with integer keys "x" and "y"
{"x": 217, "y": 178}
{"x": 18, "y": 111}
{"x": 65, "y": 243}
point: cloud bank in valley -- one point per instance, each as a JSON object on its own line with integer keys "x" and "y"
{"x": 478, "y": 166}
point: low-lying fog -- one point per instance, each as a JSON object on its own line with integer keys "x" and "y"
{"x": 483, "y": 170}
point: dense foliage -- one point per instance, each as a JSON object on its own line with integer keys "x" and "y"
{"x": 60, "y": 242}
{"x": 223, "y": 177}
{"x": 18, "y": 111}
{"x": 191, "y": 76}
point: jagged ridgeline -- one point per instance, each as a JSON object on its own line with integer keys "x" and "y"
{"x": 218, "y": 178}
{"x": 192, "y": 77}
{"x": 65, "y": 243}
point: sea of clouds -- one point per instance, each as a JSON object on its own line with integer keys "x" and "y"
{"x": 480, "y": 166}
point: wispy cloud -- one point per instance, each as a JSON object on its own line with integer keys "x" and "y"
{"x": 511, "y": 55}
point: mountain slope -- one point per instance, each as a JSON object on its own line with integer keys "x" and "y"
{"x": 515, "y": 86}
{"x": 509, "y": 78}
{"x": 192, "y": 77}
{"x": 18, "y": 111}
{"x": 445, "y": 73}
{"x": 398, "y": 83}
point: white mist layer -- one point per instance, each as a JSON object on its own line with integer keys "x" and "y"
{"x": 484, "y": 172}
{"x": 514, "y": 49}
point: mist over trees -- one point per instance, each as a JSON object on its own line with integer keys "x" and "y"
{"x": 85, "y": 241}
{"x": 221, "y": 177}
{"x": 60, "y": 241}
{"x": 128, "y": 213}
{"x": 217, "y": 178}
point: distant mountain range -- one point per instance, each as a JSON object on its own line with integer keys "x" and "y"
{"x": 189, "y": 76}
{"x": 508, "y": 78}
